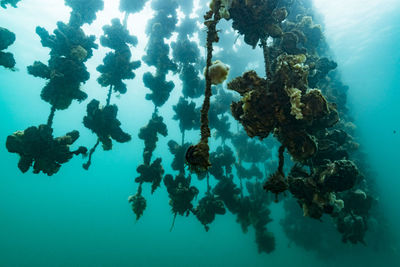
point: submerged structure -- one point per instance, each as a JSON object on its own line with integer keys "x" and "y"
{"x": 293, "y": 141}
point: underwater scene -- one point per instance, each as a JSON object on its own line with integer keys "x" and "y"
{"x": 200, "y": 133}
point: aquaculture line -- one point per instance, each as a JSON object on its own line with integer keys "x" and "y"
{"x": 303, "y": 153}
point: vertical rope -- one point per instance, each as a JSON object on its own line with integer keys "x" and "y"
{"x": 125, "y": 22}
{"x": 212, "y": 36}
{"x": 173, "y": 222}
{"x": 109, "y": 96}
{"x": 266, "y": 58}
{"x": 183, "y": 138}
{"x": 92, "y": 150}
{"x": 51, "y": 116}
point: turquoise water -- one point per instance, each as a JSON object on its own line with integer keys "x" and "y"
{"x": 83, "y": 218}
{"x": 371, "y": 67}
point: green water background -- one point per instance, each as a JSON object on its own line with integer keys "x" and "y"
{"x": 82, "y": 218}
